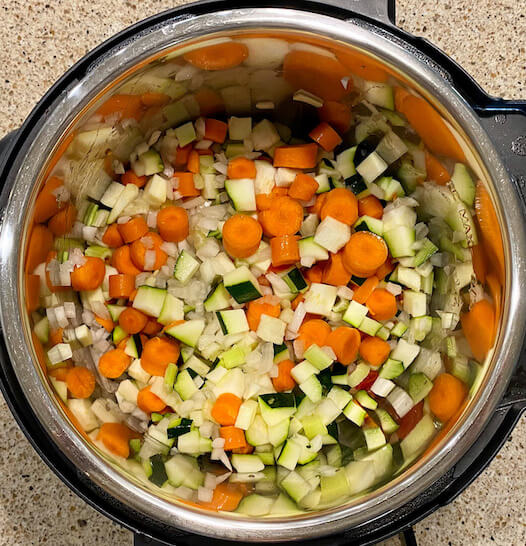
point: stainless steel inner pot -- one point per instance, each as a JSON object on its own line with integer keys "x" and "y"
{"x": 66, "y": 114}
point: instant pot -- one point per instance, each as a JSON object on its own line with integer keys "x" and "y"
{"x": 496, "y": 132}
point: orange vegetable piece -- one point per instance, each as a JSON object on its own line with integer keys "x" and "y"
{"x": 400, "y": 94}
{"x": 121, "y": 260}
{"x": 138, "y": 252}
{"x": 88, "y": 276}
{"x": 226, "y": 497}
{"x": 226, "y": 408}
{"x": 59, "y": 374}
{"x": 39, "y": 246}
{"x": 126, "y": 106}
{"x": 374, "y": 350}
{"x": 362, "y": 293}
{"x": 325, "y": 136}
{"x": 133, "y": 229}
{"x": 234, "y": 438}
{"x": 284, "y": 381}
{"x": 155, "y": 99}
{"x": 436, "y": 171}
{"x": 114, "y": 363}
{"x": 345, "y": 343}
{"x": 364, "y": 253}
{"x": 132, "y": 321}
{"x": 218, "y": 56}
{"x": 244, "y": 450}
{"x": 182, "y": 155}
{"x": 304, "y": 187}
{"x": 479, "y": 327}
{"x": 241, "y": 235}
{"x": 320, "y": 201}
{"x": 62, "y": 222}
{"x": 107, "y": 324}
{"x": 193, "y": 164}
{"x": 296, "y": 156}
{"x": 315, "y": 273}
{"x": 382, "y": 304}
{"x": 370, "y": 206}
{"x": 157, "y": 353}
{"x": 495, "y": 290}
{"x": 129, "y": 177}
{"x": 185, "y": 183}
{"x": 32, "y": 286}
{"x": 479, "y": 262}
{"x": 112, "y": 236}
{"x": 46, "y": 204}
{"x": 149, "y": 402}
{"x": 264, "y": 201}
{"x": 296, "y": 301}
{"x": 314, "y": 331}
{"x": 172, "y": 223}
{"x": 285, "y": 250}
{"x": 121, "y": 285}
{"x": 336, "y": 114}
{"x": 283, "y": 218}
{"x": 446, "y": 396}
{"x": 334, "y": 271}
{"x": 116, "y": 438}
{"x": 209, "y": 101}
{"x": 259, "y": 307}
{"x": 55, "y": 336}
{"x": 342, "y": 205}
{"x": 384, "y": 269}
{"x": 363, "y": 65}
{"x": 80, "y": 381}
{"x": 410, "y": 420}
{"x": 152, "y": 327}
{"x": 241, "y": 167}
{"x": 215, "y": 130}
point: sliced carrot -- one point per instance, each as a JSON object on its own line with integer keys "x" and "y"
{"x": 400, "y": 94}
{"x": 363, "y": 66}
{"x": 62, "y": 222}
{"x": 336, "y": 114}
{"x": 215, "y": 130}
{"x": 285, "y": 250}
{"x": 106, "y": 323}
{"x": 283, "y": 218}
{"x": 121, "y": 260}
{"x": 436, "y": 171}
{"x": 157, "y": 353}
{"x": 374, "y": 350}
{"x": 362, "y": 293}
{"x": 172, "y": 223}
{"x": 345, "y": 343}
{"x": 304, "y": 187}
{"x": 138, "y": 252}
{"x": 133, "y": 229}
{"x": 56, "y": 336}
{"x": 226, "y": 497}
{"x": 243, "y": 450}
{"x": 112, "y": 236}
{"x": 241, "y": 167}
{"x": 409, "y": 421}
{"x": 446, "y": 396}
{"x": 241, "y": 235}
{"x": 342, "y": 205}
{"x": 60, "y": 374}
{"x": 495, "y": 290}
{"x": 32, "y": 286}
{"x": 218, "y": 56}
{"x": 89, "y": 275}
{"x": 152, "y": 327}
{"x": 284, "y": 380}
{"x": 334, "y": 271}
{"x": 46, "y": 204}
{"x": 296, "y": 156}
{"x": 234, "y": 437}
{"x": 155, "y": 99}
{"x": 382, "y": 304}
{"x": 315, "y": 273}
{"x": 116, "y": 438}
{"x": 81, "y": 382}
{"x": 479, "y": 327}
{"x": 431, "y": 128}
{"x": 193, "y": 164}
{"x": 384, "y": 269}
{"x": 259, "y": 307}
{"x": 39, "y": 246}
{"x": 182, "y": 156}
{"x": 318, "y": 74}
{"x": 364, "y": 253}
{"x": 479, "y": 262}
{"x": 264, "y": 201}
{"x": 320, "y": 201}
{"x": 296, "y": 301}
{"x": 125, "y": 106}
{"x": 121, "y": 285}
{"x": 490, "y": 231}
{"x": 185, "y": 184}
{"x": 114, "y": 363}
{"x": 370, "y": 206}
{"x": 210, "y": 102}
{"x": 314, "y": 331}
{"x": 325, "y": 136}
{"x": 132, "y": 321}
{"x": 149, "y": 402}
{"x": 225, "y": 408}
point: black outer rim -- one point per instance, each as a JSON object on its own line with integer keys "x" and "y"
{"x": 441, "y": 493}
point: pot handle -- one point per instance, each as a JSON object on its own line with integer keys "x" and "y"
{"x": 381, "y": 11}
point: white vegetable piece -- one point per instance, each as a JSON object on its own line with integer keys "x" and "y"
{"x": 155, "y": 190}
{"x": 332, "y": 234}
{"x": 320, "y": 299}
{"x": 264, "y": 135}
{"x": 400, "y": 401}
{"x": 81, "y": 409}
{"x": 265, "y": 174}
{"x": 59, "y": 353}
{"x": 285, "y": 177}
{"x": 271, "y": 329}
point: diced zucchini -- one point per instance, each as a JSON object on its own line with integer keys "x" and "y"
{"x": 232, "y": 321}
{"x": 188, "y": 332}
{"x": 320, "y": 298}
{"x": 217, "y": 299}
{"x": 368, "y": 223}
{"x": 332, "y": 234}
{"x": 242, "y": 194}
{"x": 186, "y": 267}
{"x": 242, "y": 285}
{"x": 149, "y": 300}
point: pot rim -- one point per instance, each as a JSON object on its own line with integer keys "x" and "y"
{"x": 398, "y": 491}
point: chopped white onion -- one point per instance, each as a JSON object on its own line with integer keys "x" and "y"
{"x": 149, "y": 259}
{"x": 170, "y": 249}
{"x": 203, "y": 144}
{"x": 299, "y": 348}
{"x": 345, "y": 293}
{"x": 393, "y": 288}
{"x": 151, "y": 219}
{"x": 218, "y": 442}
{"x": 204, "y": 494}
{"x": 70, "y": 310}
{"x": 193, "y": 203}
{"x": 297, "y": 319}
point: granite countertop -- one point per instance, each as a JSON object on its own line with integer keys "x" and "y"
{"x": 40, "y": 40}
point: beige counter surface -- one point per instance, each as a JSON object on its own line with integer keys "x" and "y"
{"x": 40, "y": 39}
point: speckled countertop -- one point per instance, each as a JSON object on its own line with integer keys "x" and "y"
{"x": 40, "y": 39}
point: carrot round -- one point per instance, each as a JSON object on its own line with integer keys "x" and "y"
{"x": 284, "y": 380}
{"x": 342, "y": 205}
{"x": 234, "y": 438}
{"x": 210, "y": 102}
{"x": 226, "y": 498}
{"x": 241, "y": 235}
{"x": 114, "y": 363}
{"x": 126, "y": 106}
{"x": 285, "y": 250}
{"x": 315, "y": 273}
{"x": 410, "y": 420}
{"x": 336, "y": 114}
{"x": 116, "y": 438}
{"x": 62, "y": 222}
{"x": 264, "y": 201}
{"x": 364, "y": 253}
{"x": 259, "y": 307}
{"x": 133, "y": 229}
{"x": 345, "y": 343}
{"x": 129, "y": 177}
{"x": 370, "y": 206}
{"x": 80, "y": 381}
{"x": 193, "y": 162}
{"x": 374, "y": 350}
{"x": 121, "y": 285}
{"x": 296, "y": 301}
{"x": 314, "y": 331}
{"x": 218, "y": 56}
{"x": 226, "y": 408}
{"x": 39, "y": 245}
{"x": 283, "y": 218}
{"x": 149, "y": 402}
{"x": 384, "y": 269}
{"x": 46, "y": 204}
{"x": 60, "y": 374}
{"x": 382, "y": 304}
{"x": 106, "y": 323}
{"x": 32, "y": 287}
{"x": 334, "y": 271}
{"x": 303, "y": 187}
{"x": 318, "y": 205}
{"x": 152, "y": 327}
{"x": 55, "y": 336}
{"x": 436, "y": 171}
{"x": 138, "y": 251}
{"x": 495, "y": 290}
{"x": 172, "y": 223}
{"x": 132, "y": 321}
{"x": 215, "y": 130}
{"x": 362, "y": 293}
{"x": 296, "y": 156}
{"x": 157, "y": 353}
{"x": 241, "y": 167}
{"x": 479, "y": 327}
{"x": 155, "y": 99}
{"x": 479, "y": 262}
{"x": 112, "y": 236}
{"x": 185, "y": 181}
{"x": 90, "y": 275}
{"x": 446, "y": 396}
{"x": 363, "y": 66}
{"x": 325, "y": 136}
{"x": 121, "y": 260}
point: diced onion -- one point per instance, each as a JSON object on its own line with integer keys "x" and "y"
{"x": 204, "y": 494}
{"x": 149, "y": 259}
{"x": 393, "y": 288}
{"x": 203, "y": 144}
{"x": 345, "y": 293}
{"x": 218, "y": 442}
{"x": 123, "y": 219}
{"x": 297, "y": 319}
